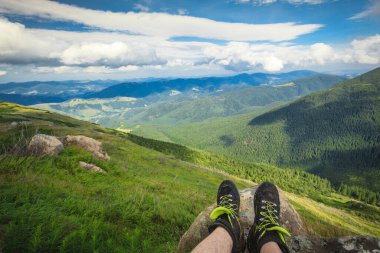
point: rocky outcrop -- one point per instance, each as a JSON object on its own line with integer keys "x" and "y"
{"x": 42, "y": 144}
{"x": 300, "y": 242}
{"x": 91, "y": 167}
{"x": 198, "y": 230}
{"x": 348, "y": 244}
{"x": 90, "y": 144}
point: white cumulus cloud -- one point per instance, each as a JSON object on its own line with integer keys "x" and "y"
{"x": 114, "y": 54}
{"x": 321, "y": 53}
{"x": 46, "y": 47}
{"x": 241, "y": 56}
{"x": 158, "y": 24}
{"x": 367, "y": 50}
{"x": 19, "y": 46}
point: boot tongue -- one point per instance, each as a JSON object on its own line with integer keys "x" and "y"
{"x": 270, "y": 196}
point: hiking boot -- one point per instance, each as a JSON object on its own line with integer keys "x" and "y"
{"x": 226, "y": 214}
{"x": 267, "y": 225}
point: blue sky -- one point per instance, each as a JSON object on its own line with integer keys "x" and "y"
{"x": 123, "y": 39}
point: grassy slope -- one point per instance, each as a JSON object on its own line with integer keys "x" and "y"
{"x": 143, "y": 204}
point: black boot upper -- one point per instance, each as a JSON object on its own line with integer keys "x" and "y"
{"x": 267, "y": 224}
{"x": 226, "y": 213}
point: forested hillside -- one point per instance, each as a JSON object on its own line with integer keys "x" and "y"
{"x": 333, "y": 133}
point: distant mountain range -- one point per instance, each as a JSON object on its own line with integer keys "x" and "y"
{"x": 28, "y": 93}
{"x": 191, "y": 108}
{"x": 204, "y": 85}
{"x": 36, "y": 92}
{"x": 195, "y": 104}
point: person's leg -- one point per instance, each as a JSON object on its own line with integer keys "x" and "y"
{"x": 219, "y": 241}
{"x": 270, "y": 247}
{"x": 267, "y": 234}
{"x": 225, "y": 232}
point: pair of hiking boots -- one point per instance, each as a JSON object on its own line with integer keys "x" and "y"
{"x": 267, "y": 225}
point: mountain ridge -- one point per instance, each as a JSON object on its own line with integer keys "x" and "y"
{"x": 139, "y": 90}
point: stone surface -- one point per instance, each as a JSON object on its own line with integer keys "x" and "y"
{"x": 198, "y": 230}
{"x": 91, "y": 167}
{"x": 42, "y": 144}
{"x": 90, "y": 144}
{"x": 348, "y": 244}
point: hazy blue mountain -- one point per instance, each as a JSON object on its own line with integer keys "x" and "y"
{"x": 30, "y": 99}
{"x": 204, "y": 85}
{"x": 28, "y": 93}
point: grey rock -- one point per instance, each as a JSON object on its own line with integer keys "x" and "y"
{"x": 90, "y": 144}
{"x": 91, "y": 167}
{"x": 42, "y": 144}
{"x": 348, "y": 244}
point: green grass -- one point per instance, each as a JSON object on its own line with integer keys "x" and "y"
{"x": 322, "y": 219}
{"x": 144, "y": 203}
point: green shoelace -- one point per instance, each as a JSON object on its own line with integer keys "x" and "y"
{"x": 225, "y": 207}
{"x": 268, "y": 219}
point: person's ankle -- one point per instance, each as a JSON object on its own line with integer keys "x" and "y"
{"x": 270, "y": 247}
{"x": 226, "y": 236}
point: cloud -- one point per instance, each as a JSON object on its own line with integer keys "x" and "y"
{"x": 114, "y": 54}
{"x": 19, "y": 46}
{"x": 182, "y": 11}
{"x": 158, "y": 24}
{"x": 56, "y": 70}
{"x": 3, "y": 72}
{"x": 241, "y": 56}
{"x": 294, "y": 2}
{"x": 82, "y": 54}
{"x": 54, "y": 48}
{"x": 367, "y": 50}
{"x": 321, "y": 53}
{"x": 306, "y": 1}
{"x": 141, "y": 7}
{"x": 373, "y": 10}
{"x": 89, "y": 69}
